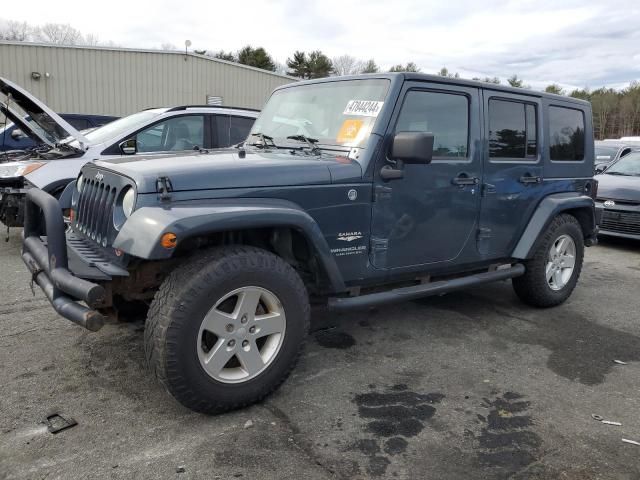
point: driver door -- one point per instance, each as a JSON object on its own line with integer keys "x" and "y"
{"x": 429, "y": 216}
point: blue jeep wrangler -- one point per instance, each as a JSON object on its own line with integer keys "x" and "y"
{"x": 356, "y": 190}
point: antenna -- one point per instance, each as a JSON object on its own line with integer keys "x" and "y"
{"x": 187, "y": 44}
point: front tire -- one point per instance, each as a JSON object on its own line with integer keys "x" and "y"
{"x": 226, "y": 328}
{"x": 553, "y": 272}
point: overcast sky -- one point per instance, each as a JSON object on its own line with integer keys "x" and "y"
{"x": 574, "y": 43}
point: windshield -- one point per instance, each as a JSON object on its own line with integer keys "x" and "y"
{"x": 627, "y": 165}
{"x": 605, "y": 153}
{"x": 121, "y": 126}
{"x": 334, "y": 113}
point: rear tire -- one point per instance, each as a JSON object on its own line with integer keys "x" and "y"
{"x": 553, "y": 272}
{"x": 226, "y": 328}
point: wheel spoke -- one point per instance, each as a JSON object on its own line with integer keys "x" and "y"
{"x": 215, "y": 321}
{"x": 217, "y": 357}
{"x": 569, "y": 261}
{"x": 250, "y": 359}
{"x": 549, "y": 271}
{"x": 247, "y": 303}
{"x": 557, "y": 278}
{"x": 561, "y": 247}
{"x": 269, "y": 324}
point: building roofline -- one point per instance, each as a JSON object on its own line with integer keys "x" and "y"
{"x": 145, "y": 50}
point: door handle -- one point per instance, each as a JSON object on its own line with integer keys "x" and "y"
{"x": 463, "y": 179}
{"x": 389, "y": 173}
{"x": 528, "y": 178}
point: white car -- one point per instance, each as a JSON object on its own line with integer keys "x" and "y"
{"x": 62, "y": 150}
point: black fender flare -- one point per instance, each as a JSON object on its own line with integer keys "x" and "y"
{"x": 141, "y": 233}
{"x": 579, "y": 204}
{"x": 67, "y": 195}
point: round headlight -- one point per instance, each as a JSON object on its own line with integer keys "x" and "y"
{"x": 79, "y": 183}
{"x": 128, "y": 202}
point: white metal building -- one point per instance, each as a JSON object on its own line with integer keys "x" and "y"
{"x": 121, "y": 81}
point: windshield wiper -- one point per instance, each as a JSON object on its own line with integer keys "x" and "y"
{"x": 263, "y": 140}
{"x": 618, "y": 173}
{"x": 308, "y": 140}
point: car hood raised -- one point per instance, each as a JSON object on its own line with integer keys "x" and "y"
{"x": 229, "y": 169}
{"x": 21, "y": 124}
{"x": 618, "y": 187}
{"x": 54, "y": 128}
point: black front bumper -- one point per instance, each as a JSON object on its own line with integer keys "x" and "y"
{"x": 12, "y": 206}
{"x": 48, "y": 261}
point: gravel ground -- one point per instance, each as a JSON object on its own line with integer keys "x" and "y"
{"x": 471, "y": 385}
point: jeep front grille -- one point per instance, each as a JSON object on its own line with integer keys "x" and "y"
{"x": 94, "y": 211}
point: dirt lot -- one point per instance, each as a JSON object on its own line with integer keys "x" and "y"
{"x": 471, "y": 385}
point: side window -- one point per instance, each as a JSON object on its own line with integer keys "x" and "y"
{"x": 222, "y": 131}
{"x": 239, "y": 128}
{"x": 151, "y": 139}
{"x": 175, "y": 134}
{"x": 446, "y": 115}
{"x": 512, "y": 130}
{"x": 566, "y": 134}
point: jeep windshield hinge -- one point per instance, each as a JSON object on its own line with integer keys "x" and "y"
{"x": 164, "y": 188}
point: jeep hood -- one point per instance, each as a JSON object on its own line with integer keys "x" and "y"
{"x": 48, "y": 124}
{"x": 228, "y": 169}
{"x": 618, "y": 187}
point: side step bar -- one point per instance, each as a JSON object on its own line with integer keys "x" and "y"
{"x": 425, "y": 290}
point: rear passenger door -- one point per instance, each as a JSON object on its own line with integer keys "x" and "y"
{"x": 512, "y": 179}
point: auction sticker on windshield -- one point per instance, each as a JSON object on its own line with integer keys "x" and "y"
{"x": 364, "y": 108}
{"x": 349, "y": 131}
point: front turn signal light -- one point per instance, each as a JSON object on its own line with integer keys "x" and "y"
{"x": 30, "y": 167}
{"x": 169, "y": 240}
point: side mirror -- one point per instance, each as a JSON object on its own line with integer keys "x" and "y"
{"x": 600, "y": 168}
{"x": 128, "y": 147}
{"x": 412, "y": 147}
{"x": 17, "y": 134}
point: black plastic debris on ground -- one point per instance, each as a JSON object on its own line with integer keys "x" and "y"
{"x": 56, "y": 423}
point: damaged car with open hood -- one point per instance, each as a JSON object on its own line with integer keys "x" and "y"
{"x": 60, "y": 150}
{"x": 50, "y": 134}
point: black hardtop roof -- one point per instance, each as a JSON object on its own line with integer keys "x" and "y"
{"x": 444, "y": 80}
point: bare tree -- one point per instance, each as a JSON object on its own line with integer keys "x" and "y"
{"x": 605, "y": 106}
{"x": 281, "y": 68}
{"x": 15, "y": 31}
{"x": 59, "y": 34}
{"x": 168, "y": 46}
{"x": 91, "y": 39}
{"x": 630, "y": 110}
{"x": 347, "y": 65}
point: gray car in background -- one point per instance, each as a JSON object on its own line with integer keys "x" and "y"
{"x": 607, "y": 152}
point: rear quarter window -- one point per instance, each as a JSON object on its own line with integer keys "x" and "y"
{"x": 566, "y": 134}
